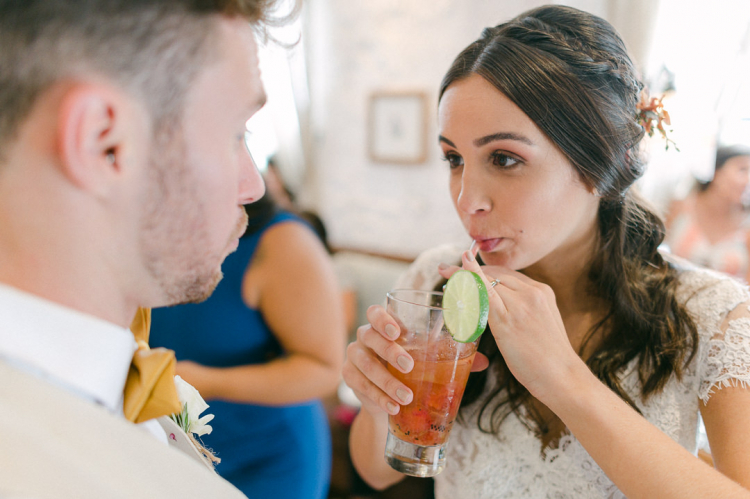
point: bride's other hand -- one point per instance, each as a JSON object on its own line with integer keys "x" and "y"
{"x": 526, "y": 325}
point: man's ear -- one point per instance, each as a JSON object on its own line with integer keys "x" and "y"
{"x": 90, "y": 132}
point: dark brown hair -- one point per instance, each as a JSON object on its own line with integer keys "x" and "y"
{"x": 570, "y": 73}
{"x": 153, "y": 48}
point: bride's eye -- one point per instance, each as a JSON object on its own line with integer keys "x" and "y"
{"x": 503, "y": 160}
{"x": 454, "y": 160}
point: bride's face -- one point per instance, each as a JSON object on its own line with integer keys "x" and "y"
{"x": 516, "y": 193}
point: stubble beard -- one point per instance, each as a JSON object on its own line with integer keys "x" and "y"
{"x": 173, "y": 236}
{"x": 203, "y": 288}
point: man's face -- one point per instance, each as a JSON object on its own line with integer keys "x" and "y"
{"x": 201, "y": 174}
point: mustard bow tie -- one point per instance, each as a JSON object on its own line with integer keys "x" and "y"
{"x": 150, "y": 391}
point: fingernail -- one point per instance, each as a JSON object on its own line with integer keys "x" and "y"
{"x": 469, "y": 255}
{"x": 442, "y": 266}
{"x": 392, "y": 408}
{"x": 403, "y": 395}
{"x": 404, "y": 362}
{"x": 391, "y": 331}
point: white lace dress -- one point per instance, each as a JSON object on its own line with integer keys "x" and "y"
{"x": 511, "y": 465}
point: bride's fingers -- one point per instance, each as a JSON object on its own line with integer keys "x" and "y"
{"x": 481, "y": 362}
{"x": 524, "y": 290}
{"x": 511, "y": 279}
{"x": 364, "y": 372}
{"x": 385, "y": 349}
{"x": 367, "y": 391}
{"x": 496, "y": 301}
{"x": 447, "y": 271}
{"x": 383, "y": 323}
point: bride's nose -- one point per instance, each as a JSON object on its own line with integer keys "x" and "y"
{"x": 473, "y": 196}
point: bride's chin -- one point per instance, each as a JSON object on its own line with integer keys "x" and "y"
{"x": 496, "y": 258}
{"x": 511, "y": 261}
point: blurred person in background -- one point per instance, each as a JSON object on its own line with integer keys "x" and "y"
{"x": 710, "y": 226}
{"x": 285, "y": 198}
{"x": 262, "y": 351}
{"x": 346, "y": 285}
{"x": 279, "y": 191}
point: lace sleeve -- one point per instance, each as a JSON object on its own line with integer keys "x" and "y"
{"x": 423, "y": 273}
{"x": 727, "y": 356}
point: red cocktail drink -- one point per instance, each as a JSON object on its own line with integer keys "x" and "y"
{"x": 418, "y": 434}
{"x": 438, "y": 386}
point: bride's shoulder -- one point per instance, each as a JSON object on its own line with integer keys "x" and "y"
{"x": 445, "y": 253}
{"x": 422, "y": 273}
{"x": 706, "y": 293}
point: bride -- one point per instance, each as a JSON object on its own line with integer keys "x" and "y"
{"x": 601, "y": 353}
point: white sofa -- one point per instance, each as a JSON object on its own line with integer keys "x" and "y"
{"x": 370, "y": 276}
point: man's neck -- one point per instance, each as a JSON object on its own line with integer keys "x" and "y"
{"x": 93, "y": 298}
{"x": 54, "y": 256}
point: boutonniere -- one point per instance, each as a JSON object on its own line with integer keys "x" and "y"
{"x": 190, "y": 420}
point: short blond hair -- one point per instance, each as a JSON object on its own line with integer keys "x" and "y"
{"x": 153, "y": 48}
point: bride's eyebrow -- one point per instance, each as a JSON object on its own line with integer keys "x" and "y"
{"x": 443, "y": 139}
{"x": 502, "y": 136}
{"x": 491, "y": 138}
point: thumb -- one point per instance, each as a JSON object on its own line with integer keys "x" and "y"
{"x": 481, "y": 362}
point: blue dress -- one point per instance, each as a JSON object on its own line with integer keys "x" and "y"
{"x": 280, "y": 452}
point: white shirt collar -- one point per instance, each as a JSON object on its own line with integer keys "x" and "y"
{"x": 84, "y": 354}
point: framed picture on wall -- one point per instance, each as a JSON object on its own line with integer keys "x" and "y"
{"x": 397, "y": 128}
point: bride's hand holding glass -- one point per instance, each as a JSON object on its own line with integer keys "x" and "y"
{"x": 365, "y": 369}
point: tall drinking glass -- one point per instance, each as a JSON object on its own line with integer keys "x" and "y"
{"x": 418, "y": 434}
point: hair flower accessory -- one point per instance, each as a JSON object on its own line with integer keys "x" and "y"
{"x": 652, "y": 116}
{"x": 189, "y": 419}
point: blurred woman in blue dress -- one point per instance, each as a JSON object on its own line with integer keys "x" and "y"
{"x": 262, "y": 350}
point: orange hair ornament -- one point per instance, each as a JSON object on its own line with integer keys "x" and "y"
{"x": 652, "y": 116}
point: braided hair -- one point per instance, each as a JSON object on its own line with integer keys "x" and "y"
{"x": 570, "y": 73}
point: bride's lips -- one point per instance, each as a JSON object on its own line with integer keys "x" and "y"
{"x": 487, "y": 245}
